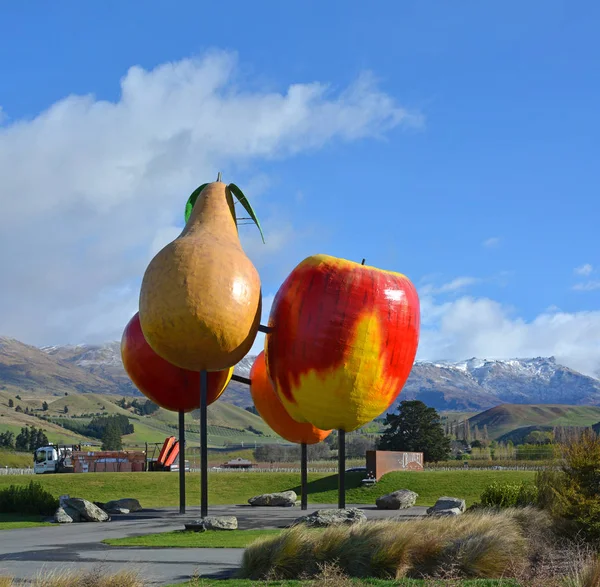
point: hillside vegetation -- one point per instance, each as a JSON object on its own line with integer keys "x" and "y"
{"x": 228, "y": 424}
{"x": 506, "y": 418}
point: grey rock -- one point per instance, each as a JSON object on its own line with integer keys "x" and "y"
{"x": 213, "y": 523}
{"x": 448, "y": 512}
{"x": 127, "y": 503}
{"x": 87, "y": 510}
{"x": 401, "y": 499}
{"x": 116, "y": 511}
{"x": 72, "y": 513}
{"x": 333, "y": 517}
{"x": 61, "y": 517}
{"x": 283, "y": 499}
{"x": 448, "y": 503}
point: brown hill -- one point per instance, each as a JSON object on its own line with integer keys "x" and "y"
{"x": 32, "y": 370}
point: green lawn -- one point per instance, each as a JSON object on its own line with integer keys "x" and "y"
{"x": 161, "y": 489}
{"x": 183, "y": 539}
{"x": 13, "y": 521}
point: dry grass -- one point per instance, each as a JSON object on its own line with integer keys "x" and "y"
{"x": 590, "y": 577}
{"x": 475, "y": 545}
{"x": 94, "y": 578}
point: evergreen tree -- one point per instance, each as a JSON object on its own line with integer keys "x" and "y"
{"x": 111, "y": 439}
{"x": 467, "y": 431}
{"x": 66, "y": 410}
{"x": 45, "y": 406}
{"x": 11, "y": 403}
{"x": 41, "y": 439}
{"x": 22, "y": 440}
{"x": 7, "y": 440}
{"x": 416, "y": 428}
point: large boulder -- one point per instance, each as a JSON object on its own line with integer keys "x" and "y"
{"x": 127, "y": 503}
{"x": 333, "y": 517}
{"x": 87, "y": 510}
{"x": 61, "y": 517}
{"x": 116, "y": 510}
{"x": 448, "y": 512}
{"x": 447, "y": 503}
{"x": 213, "y": 523}
{"x": 283, "y": 499}
{"x": 397, "y": 500}
{"x": 72, "y": 513}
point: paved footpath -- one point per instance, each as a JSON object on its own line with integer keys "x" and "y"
{"x": 26, "y": 552}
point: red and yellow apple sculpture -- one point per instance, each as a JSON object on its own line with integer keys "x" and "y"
{"x": 272, "y": 411}
{"x": 343, "y": 341}
{"x": 165, "y": 384}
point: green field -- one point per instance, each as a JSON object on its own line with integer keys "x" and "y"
{"x": 161, "y": 489}
{"x": 9, "y": 458}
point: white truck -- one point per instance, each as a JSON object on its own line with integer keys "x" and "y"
{"x": 54, "y": 459}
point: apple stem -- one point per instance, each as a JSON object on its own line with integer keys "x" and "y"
{"x": 219, "y": 176}
{"x": 363, "y": 261}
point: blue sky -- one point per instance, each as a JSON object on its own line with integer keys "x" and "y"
{"x": 457, "y": 144}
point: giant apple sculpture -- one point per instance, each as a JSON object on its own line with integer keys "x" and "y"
{"x": 342, "y": 341}
{"x": 167, "y": 385}
{"x": 271, "y": 410}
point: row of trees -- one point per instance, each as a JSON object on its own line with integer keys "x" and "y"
{"x": 27, "y": 440}
{"x": 356, "y": 447}
{"x": 414, "y": 428}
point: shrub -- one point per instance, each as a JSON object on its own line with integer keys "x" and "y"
{"x": 570, "y": 493}
{"x": 509, "y": 495}
{"x": 27, "y": 499}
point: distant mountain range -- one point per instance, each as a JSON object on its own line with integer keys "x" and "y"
{"x": 472, "y": 385}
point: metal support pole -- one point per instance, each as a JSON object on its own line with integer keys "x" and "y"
{"x": 303, "y": 476}
{"x": 182, "y": 462}
{"x": 341, "y": 469}
{"x": 203, "y": 445}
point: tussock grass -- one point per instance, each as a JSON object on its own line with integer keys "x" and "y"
{"x": 479, "y": 544}
{"x": 97, "y": 577}
{"x": 590, "y": 577}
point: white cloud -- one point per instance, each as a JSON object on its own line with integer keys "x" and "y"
{"x": 491, "y": 242}
{"x": 584, "y": 270}
{"x": 91, "y": 188}
{"x": 587, "y": 286}
{"x": 484, "y": 328}
{"x": 455, "y": 285}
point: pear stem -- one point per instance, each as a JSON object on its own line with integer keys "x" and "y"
{"x": 219, "y": 176}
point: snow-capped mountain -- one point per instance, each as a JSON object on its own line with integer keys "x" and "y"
{"x": 480, "y": 383}
{"x": 474, "y": 384}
